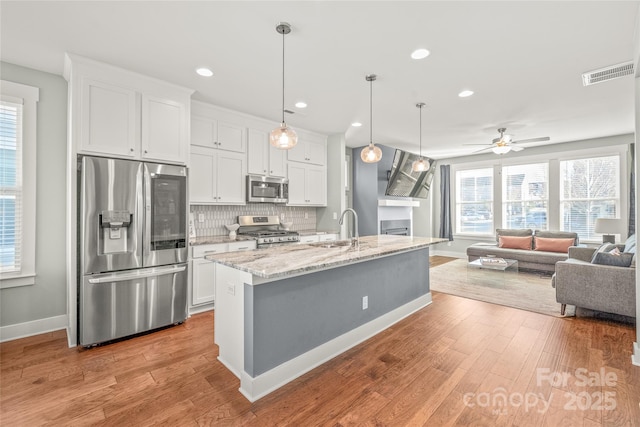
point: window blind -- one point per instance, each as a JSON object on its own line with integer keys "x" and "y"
{"x": 525, "y": 196}
{"x": 10, "y": 184}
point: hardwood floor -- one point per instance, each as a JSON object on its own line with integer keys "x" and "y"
{"x": 457, "y": 362}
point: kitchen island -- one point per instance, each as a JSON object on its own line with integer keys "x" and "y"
{"x": 282, "y": 311}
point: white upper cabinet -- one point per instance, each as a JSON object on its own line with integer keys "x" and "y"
{"x": 262, "y": 157}
{"x": 119, "y": 113}
{"x": 307, "y": 185}
{"x": 216, "y": 177}
{"x": 309, "y": 149}
{"x": 216, "y": 128}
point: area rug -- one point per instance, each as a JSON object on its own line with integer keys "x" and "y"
{"x": 525, "y": 290}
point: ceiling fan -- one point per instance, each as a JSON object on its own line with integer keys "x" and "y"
{"x": 504, "y": 143}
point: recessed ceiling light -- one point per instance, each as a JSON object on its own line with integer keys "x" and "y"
{"x": 204, "y": 72}
{"x": 465, "y": 93}
{"x": 356, "y": 124}
{"x": 301, "y": 104}
{"x": 420, "y": 53}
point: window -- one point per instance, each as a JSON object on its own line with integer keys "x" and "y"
{"x": 17, "y": 183}
{"x": 589, "y": 189}
{"x": 474, "y": 201}
{"x": 525, "y": 196}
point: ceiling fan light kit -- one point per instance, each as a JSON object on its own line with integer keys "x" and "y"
{"x": 420, "y": 165}
{"x": 283, "y": 137}
{"x": 371, "y": 153}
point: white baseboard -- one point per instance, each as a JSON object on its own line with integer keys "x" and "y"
{"x": 200, "y": 309}
{"x": 34, "y": 327}
{"x": 448, "y": 253}
{"x": 635, "y": 357}
{"x": 255, "y": 388}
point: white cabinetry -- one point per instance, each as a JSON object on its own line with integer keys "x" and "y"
{"x": 217, "y": 128}
{"x": 309, "y": 150}
{"x": 263, "y": 158}
{"x": 313, "y": 238}
{"x": 119, "y": 113}
{"x": 216, "y": 177}
{"x": 307, "y": 185}
{"x": 203, "y": 272}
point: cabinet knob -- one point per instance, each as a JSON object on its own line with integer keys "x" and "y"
{"x": 145, "y": 151}
{"x": 131, "y": 149}
{"x": 264, "y": 170}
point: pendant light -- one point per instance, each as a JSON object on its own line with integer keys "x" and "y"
{"x": 283, "y": 137}
{"x": 420, "y": 165}
{"x": 371, "y": 153}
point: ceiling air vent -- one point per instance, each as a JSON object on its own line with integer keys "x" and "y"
{"x": 607, "y": 73}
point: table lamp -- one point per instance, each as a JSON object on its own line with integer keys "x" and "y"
{"x": 608, "y": 227}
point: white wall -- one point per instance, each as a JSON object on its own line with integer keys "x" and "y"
{"x": 335, "y": 185}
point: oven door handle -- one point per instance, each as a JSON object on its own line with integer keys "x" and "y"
{"x": 140, "y": 274}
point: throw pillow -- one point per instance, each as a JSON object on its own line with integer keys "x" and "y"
{"x": 514, "y": 242}
{"x": 549, "y": 244}
{"x": 610, "y": 258}
{"x": 630, "y": 244}
{"x": 605, "y": 247}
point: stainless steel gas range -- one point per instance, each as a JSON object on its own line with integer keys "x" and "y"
{"x": 266, "y": 230}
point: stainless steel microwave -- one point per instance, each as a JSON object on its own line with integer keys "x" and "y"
{"x": 266, "y": 189}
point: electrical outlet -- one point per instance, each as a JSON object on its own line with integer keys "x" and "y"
{"x": 200, "y": 217}
{"x": 365, "y": 302}
{"x": 282, "y": 216}
{"x": 231, "y": 289}
{"x": 335, "y": 215}
{"x": 306, "y": 215}
{"x": 448, "y": 243}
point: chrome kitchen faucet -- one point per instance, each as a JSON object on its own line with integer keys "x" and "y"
{"x": 355, "y": 242}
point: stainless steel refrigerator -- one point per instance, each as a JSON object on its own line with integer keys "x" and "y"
{"x": 132, "y": 247}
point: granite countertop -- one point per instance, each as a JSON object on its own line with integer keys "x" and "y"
{"x": 289, "y": 260}
{"x": 212, "y": 240}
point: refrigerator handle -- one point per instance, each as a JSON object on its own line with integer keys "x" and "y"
{"x": 146, "y": 244}
{"x": 139, "y": 274}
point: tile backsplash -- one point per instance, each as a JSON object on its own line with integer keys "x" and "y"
{"x": 216, "y": 217}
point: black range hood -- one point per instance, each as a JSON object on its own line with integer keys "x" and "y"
{"x": 404, "y": 182}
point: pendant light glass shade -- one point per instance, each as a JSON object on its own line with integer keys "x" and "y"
{"x": 283, "y": 137}
{"x": 420, "y": 165}
{"x": 371, "y": 153}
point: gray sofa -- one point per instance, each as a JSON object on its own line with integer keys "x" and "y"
{"x": 593, "y": 286}
{"x": 527, "y": 259}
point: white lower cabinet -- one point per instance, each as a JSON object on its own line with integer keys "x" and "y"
{"x": 313, "y": 238}
{"x": 203, "y": 272}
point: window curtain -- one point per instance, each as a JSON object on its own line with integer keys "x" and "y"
{"x": 446, "y": 230}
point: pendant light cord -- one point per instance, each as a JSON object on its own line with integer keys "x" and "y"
{"x": 370, "y": 111}
{"x": 421, "y": 132}
{"x": 283, "y": 76}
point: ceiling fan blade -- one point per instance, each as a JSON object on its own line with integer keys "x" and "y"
{"x": 515, "y": 148}
{"x": 481, "y": 150}
{"x": 479, "y": 144}
{"x": 542, "y": 138}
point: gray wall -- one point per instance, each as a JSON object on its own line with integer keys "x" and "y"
{"x": 335, "y": 185}
{"x": 47, "y": 298}
{"x": 459, "y": 245}
{"x": 288, "y": 317}
{"x": 369, "y": 185}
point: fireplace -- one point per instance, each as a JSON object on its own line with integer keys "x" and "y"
{"x": 398, "y": 227}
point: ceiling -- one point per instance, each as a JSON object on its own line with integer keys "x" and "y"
{"x": 523, "y": 60}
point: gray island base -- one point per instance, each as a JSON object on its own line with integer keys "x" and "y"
{"x": 280, "y": 312}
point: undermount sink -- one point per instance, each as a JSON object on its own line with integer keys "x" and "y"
{"x": 332, "y": 244}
